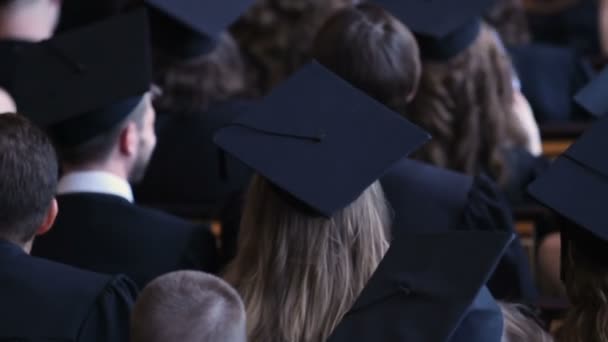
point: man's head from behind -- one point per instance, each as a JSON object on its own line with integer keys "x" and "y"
{"x": 28, "y": 180}
{"x": 188, "y": 306}
{"x": 124, "y": 149}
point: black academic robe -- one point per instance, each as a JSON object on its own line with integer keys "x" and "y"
{"x": 108, "y": 234}
{"x": 523, "y": 169}
{"x": 47, "y": 301}
{"x": 9, "y": 54}
{"x": 429, "y": 199}
{"x": 188, "y": 174}
{"x": 427, "y": 289}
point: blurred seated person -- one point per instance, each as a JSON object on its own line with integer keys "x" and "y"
{"x": 188, "y": 306}
{"x": 105, "y": 141}
{"x": 575, "y": 188}
{"x": 375, "y": 52}
{"x": 23, "y": 22}
{"x": 548, "y": 75}
{"x": 467, "y": 99}
{"x": 41, "y": 299}
{"x": 316, "y": 223}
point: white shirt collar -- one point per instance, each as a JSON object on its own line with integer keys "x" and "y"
{"x": 100, "y": 182}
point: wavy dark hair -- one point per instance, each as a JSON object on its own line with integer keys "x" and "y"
{"x": 372, "y": 50}
{"x": 277, "y": 36}
{"x": 466, "y": 104}
{"x": 192, "y": 85}
{"x": 586, "y": 283}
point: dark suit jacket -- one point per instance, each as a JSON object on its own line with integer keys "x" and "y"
{"x": 427, "y": 199}
{"x": 108, "y": 234}
{"x": 46, "y": 301}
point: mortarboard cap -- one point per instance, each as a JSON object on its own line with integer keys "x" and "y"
{"x": 576, "y": 187}
{"x": 84, "y": 82}
{"x": 443, "y": 28}
{"x": 593, "y": 96}
{"x": 425, "y": 288}
{"x": 77, "y": 13}
{"x": 190, "y": 28}
{"x": 320, "y": 139}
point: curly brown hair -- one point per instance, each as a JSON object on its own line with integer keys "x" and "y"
{"x": 192, "y": 85}
{"x": 277, "y": 35}
{"x": 586, "y": 283}
{"x": 466, "y": 104}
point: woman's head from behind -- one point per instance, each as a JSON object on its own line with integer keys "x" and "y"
{"x": 373, "y": 51}
{"x": 465, "y": 103}
{"x": 309, "y": 268}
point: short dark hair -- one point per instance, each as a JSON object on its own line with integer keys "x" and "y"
{"x": 99, "y": 147}
{"x": 28, "y": 178}
{"x": 188, "y": 306}
{"x": 373, "y": 51}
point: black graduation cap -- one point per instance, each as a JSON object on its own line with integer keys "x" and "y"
{"x": 82, "y": 83}
{"x": 190, "y": 28}
{"x": 78, "y": 13}
{"x": 320, "y": 139}
{"x": 443, "y": 28}
{"x": 425, "y": 287}
{"x": 576, "y": 187}
{"x": 593, "y": 96}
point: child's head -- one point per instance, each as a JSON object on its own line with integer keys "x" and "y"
{"x": 188, "y": 306}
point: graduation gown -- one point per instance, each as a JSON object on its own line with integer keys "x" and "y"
{"x": 426, "y": 289}
{"x": 188, "y": 174}
{"x": 9, "y": 54}
{"x": 523, "y": 168}
{"x": 429, "y": 199}
{"x": 108, "y": 234}
{"x": 47, "y": 301}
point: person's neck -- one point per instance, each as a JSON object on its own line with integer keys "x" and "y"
{"x": 30, "y": 24}
{"x": 115, "y": 169}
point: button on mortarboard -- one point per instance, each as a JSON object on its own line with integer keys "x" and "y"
{"x": 83, "y": 82}
{"x": 443, "y": 28}
{"x": 320, "y": 139}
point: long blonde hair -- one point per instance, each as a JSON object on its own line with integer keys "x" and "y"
{"x": 299, "y": 274}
